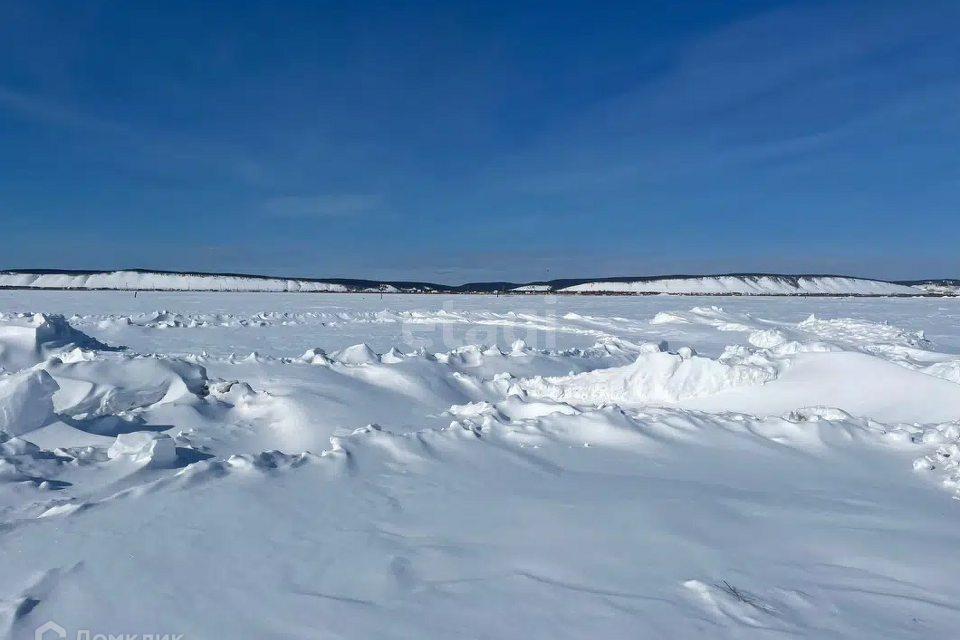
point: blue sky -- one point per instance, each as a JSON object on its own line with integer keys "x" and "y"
{"x": 455, "y": 141}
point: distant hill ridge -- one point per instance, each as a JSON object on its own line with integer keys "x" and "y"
{"x": 720, "y": 284}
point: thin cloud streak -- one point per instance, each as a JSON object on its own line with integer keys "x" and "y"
{"x": 323, "y": 206}
{"x": 41, "y": 110}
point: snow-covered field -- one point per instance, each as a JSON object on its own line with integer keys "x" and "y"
{"x": 264, "y": 466}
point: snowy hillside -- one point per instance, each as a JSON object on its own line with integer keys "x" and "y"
{"x": 937, "y": 287}
{"x": 749, "y": 285}
{"x": 533, "y": 288}
{"x": 145, "y": 280}
{"x": 737, "y": 284}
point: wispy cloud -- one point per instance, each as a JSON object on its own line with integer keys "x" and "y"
{"x": 170, "y": 150}
{"x": 789, "y": 84}
{"x": 323, "y": 206}
{"x": 40, "y": 109}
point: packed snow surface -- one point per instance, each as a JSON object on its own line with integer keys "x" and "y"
{"x": 239, "y": 465}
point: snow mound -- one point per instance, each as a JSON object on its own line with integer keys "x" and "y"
{"x": 767, "y": 338}
{"x": 665, "y": 317}
{"x": 816, "y": 414}
{"x": 315, "y": 356}
{"x": 712, "y": 316}
{"x": 750, "y": 285}
{"x": 655, "y": 376}
{"x": 100, "y": 388}
{"x": 246, "y": 463}
{"x": 356, "y": 355}
{"x": 26, "y": 401}
{"x": 27, "y": 339}
{"x": 948, "y": 370}
{"x": 145, "y": 447}
{"x": 23, "y": 461}
{"x": 856, "y": 331}
{"x": 945, "y": 459}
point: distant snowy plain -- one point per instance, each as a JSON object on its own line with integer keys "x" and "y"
{"x": 272, "y": 465}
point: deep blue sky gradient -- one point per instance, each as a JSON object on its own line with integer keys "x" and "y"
{"x": 456, "y": 141}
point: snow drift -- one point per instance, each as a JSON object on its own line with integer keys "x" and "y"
{"x": 795, "y": 479}
{"x": 656, "y": 376}
{"x": 26, "y": 401}
{"x": 27, "y": 339}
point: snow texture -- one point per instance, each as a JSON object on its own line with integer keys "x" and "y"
{"x": 281, "y": 466}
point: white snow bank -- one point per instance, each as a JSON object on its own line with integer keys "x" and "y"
{"x": 155, "y": 449}
{"x": 26, "y": 402}
{"x": 26, "y": 340}
{"x": 355, "y": 355}
{"x": 656, "y": 376}
{"x": 858, "y": 383}
{"x": 23, "y": 463}
{"x": 144, "y": 281}
{"x": 750, "y": 285}
{"x": 97, "y": 388}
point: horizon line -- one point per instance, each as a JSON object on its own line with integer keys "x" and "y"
{"x": 339, "y": 280}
